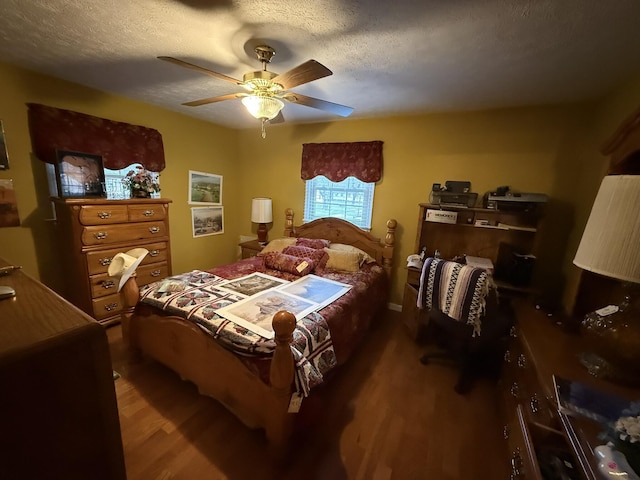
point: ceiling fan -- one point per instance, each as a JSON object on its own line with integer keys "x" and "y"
{"x": 266, "y": 90}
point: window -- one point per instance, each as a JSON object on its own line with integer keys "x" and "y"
{"x": 350, "y": 199}
{"x": 114, "y": 187}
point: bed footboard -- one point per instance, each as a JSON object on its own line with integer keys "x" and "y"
{"x": 191, "y": 353}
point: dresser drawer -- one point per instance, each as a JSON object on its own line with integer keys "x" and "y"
{"x": 102, "y": 285}
{"x": 522, "y": 456}
{"x": 145, "y": 213}
{"x": 104, "y": 235}
{"x": 151, "y": 273}
{"x": 98, "y": 262}
{"x": 103, "y": 214}
{"x": 107, "y": 306}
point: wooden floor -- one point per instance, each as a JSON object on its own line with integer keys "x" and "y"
{"x": 386, "y": 416}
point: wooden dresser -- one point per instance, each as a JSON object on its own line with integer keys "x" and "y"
{"x": 534, "y": 429}
{"x": 58, "y": 407}
{"x": 92, "y": 231}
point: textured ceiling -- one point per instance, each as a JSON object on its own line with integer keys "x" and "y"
{"x": 387, "y": 57}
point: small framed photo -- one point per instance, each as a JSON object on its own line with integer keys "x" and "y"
{"x": 79, "y": 174}
{"x": 205, "y": 188}
{"x": 207, "y": 221}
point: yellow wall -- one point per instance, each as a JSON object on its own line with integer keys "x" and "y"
{"x": 189, "y": 144}
{"x": 553, "y": 150}
{"x": 518, "y": 147}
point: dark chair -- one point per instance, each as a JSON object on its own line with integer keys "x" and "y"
{"x": 474, "y": 355}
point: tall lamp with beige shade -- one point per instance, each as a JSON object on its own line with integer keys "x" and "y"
{"x": 610, "y": 246}
{"x": 262, "y": 213}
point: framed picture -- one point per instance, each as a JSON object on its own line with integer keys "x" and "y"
{"x": 4, "y": 155}
{"x": 205, "y": 188}
{"x": 318, "y": 290}
{"x": 256, "y": 312}
{"x": 8, "y": 204}
{"x": 251, "y": 284}
{"x": 79, "y": 174}
{"x": 207, "y": 221}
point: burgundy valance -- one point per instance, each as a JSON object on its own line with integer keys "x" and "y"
{"x": 120, "y": 144}
{"x": 337, "y": 161}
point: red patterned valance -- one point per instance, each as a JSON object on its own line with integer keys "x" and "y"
{"x": 337, "y": 161}
{"x": 120, "y": 144}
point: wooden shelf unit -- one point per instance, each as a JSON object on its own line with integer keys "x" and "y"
{"x": 504, "y": 233}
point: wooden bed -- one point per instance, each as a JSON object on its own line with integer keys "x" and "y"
{"x": 188, "y": 350}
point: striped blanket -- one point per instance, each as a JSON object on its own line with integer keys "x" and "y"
{"x": 457, "y": 290}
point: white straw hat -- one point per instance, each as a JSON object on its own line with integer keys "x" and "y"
{"x": 123, "y": 265}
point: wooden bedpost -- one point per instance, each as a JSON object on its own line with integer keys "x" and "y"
{"x": 288, "y": 223}
{"x": 130, "y": 293}
{"x": 281, "y": 378}
{"x": 389, "y": 241}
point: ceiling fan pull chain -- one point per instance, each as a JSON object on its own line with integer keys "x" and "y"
{"x": 264, "y": 131}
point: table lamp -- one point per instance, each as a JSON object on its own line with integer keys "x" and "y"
{"x": 261, "y": 213}
{"x": 610, "y": 246}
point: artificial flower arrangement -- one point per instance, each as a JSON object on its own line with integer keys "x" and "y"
{"x": 141, "y": 180}
{"x": 624, "y": 434}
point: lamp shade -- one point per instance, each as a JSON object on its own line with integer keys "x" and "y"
{"x": 262, "y": 107}
{"x": 610, "y": 244}
{"x": 261, "y": 211}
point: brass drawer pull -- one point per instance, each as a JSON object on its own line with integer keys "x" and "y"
{"x": 155, "y": 273}
{"x": 522, "y": 361}
{"x": 104, "y": 215}
{"x": 534, "y": 404}
{"x": 100, "y": 235}
{"x": 110, "y": 306}
{"x": 149, "y": 213}
{"x": 516, "y": 465}
{"x": 507, "y": 356}
{"x": 515, "y": 389}
{"x": 154, "y": 253}
{"x": 108, "y": 284}
{"x": 154, "y": 229}
{"x": 105, "y": 261}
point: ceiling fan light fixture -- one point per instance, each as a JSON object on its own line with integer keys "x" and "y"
{"x": 264, "y": 108}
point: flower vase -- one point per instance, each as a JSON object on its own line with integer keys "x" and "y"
{"x": 139, "y": 193}
{"x": 631, "y": 452}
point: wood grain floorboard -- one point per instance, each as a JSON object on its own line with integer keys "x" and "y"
{"x": 385, "y": 417}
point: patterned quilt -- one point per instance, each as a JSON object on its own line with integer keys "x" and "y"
{"x": 200, "y": 297}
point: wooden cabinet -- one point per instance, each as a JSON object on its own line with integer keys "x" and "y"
{"x": 507, "y": 238}
{"x": 58, "y": 406}
{"x": 92, "y": 231}
{"x": 534, "y": 430}
{"x": 250, "y": 248}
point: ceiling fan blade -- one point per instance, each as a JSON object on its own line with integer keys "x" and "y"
{"x": 334, "y": 108}
{"x": 303, "y": 73}
{"x": 204, "y": 101}
{"x": 278, "y": 118}
{"x": 182, "y": 63}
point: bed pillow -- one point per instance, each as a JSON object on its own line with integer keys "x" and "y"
{"x": 342, "y": 247}
{"x": 278, "y": 244}
{"x": 289, "y": 263}
{"x": 320, "y": 257}
{"x": 344, "y": 261}
{"x": 316, "y": 243}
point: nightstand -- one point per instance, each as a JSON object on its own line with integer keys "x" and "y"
{"x": 250, "y": 248}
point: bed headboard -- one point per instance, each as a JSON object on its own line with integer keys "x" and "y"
{"x": 337, "y": 230}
